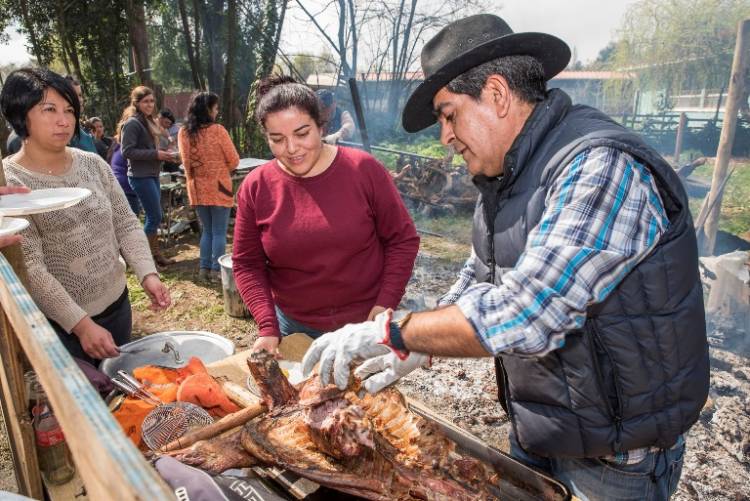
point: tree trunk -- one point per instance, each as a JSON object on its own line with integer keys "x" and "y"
{"x": 197, "y": 41}
{"x": 194, "y": 68}
{"x": 255, "y": 143}
{"x": 228, "y": 94}
{"x": 136, "y": 19}
{"x": 32, "y": 34}
{"x": 354, "y": 41}
{"x": 212, "y": 27}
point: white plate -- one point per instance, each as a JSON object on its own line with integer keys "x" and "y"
{"x": 12, "y": 225}
{"x": 38, "y": 201}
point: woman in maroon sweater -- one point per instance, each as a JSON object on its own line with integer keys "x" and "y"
{"x": 322, "y": 237}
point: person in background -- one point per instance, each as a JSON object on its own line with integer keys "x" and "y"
{"x": 76, "y": 276}
{"x": 209, "y": 156}
{"x": 13, "y": 143}
{"x": 168, "y": 138}
{"x": 102, "y": 142}
{"x": 337, "y": 123}
{"x": 322, "y": 237}
{"x": 83, "y": 140}
{"x": 120, "y": 170}
{"x": 139, "y": 136}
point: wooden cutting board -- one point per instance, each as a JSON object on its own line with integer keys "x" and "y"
{"x": 234, "y": 368}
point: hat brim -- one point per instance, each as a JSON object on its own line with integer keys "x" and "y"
{"x": 553, "y": 53}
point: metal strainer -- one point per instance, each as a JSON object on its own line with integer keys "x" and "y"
{"x": 168, "y": 422}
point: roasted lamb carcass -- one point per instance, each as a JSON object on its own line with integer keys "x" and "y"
{"x": 371, "y": 446}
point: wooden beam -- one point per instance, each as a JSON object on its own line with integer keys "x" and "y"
{"x": 110, "y": 465}
{"x": 17, "y": 419}
{"x": 724, "y": 152}
{"x": 678, "y": 140}
{"x": 12, "y": 367}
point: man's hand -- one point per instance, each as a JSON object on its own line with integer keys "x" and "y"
{"x": 268, "y": 343}
{"x": 95, "y": 340}
{"x": 157, "y": 292}
{"x": 337, "y": 350}
{"x": 379, "y": 372}
{"x": 332, "y": 138}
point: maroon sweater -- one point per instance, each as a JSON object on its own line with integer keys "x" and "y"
{"x": 325, "y": 249}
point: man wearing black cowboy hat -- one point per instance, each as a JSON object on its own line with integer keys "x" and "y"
{"x": 583, "y": 280}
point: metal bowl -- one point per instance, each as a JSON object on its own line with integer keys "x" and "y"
{"x": 169, "y": 349}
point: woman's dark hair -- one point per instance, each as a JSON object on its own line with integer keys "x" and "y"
{"x": 167, "y": 113}
{"x": 25, "y": 88}
{"x": 198, "y": 115}
{"x": 279, "y": 92}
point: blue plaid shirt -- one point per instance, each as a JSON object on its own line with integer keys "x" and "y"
{"x": 603, "y": 216}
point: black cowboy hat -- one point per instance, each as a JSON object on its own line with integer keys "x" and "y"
{"x": 467, "y": 43}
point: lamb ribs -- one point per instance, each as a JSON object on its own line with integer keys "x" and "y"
{"x": 373, "y": 446}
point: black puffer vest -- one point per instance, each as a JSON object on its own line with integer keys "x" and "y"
{"x": 637, "y": 373}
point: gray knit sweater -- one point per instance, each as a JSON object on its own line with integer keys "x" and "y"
{"x": 73, "y": 255}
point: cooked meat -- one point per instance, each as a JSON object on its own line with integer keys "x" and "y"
{"x": 274, "y": 387}
{"x": 216, "y": 455}
{"x": 373, "y": 446}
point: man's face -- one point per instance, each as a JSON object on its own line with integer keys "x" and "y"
{"x": 474, "y": 128}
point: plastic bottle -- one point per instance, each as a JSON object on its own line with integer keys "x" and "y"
{"x": 55, "y": 461}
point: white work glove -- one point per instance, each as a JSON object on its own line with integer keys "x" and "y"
{"x": 379, "y": 372}
{"x": 332, "y": 138}
{"x": 338, "y": 349}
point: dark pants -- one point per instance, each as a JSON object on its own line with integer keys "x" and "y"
{"x": 135, "y": 204}
{"x": 117, "y": 318}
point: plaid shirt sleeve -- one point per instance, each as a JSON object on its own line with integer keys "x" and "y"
{"x": 603, "y": 216}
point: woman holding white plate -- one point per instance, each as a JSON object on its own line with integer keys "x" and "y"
{"x": 76, "y": 276}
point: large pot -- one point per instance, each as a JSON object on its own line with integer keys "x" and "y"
{"x": 169, "y": 349}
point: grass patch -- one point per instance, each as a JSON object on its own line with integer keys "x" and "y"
{"x": 735, "y": 206}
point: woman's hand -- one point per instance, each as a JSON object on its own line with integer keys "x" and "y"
{"x": 9, "y": 190}
{"x": 268, "y": 343}
{"x": 374, "y": 311}
{"x": 157, "y": 292}
{"x": 165, "y": 156}
{"x": 95, "y": 340}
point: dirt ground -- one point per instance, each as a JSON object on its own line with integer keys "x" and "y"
{"x": 717, "y": 463}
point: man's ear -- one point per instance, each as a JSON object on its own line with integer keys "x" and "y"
{"x": 499, "y": 95}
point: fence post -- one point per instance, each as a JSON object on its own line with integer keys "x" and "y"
{"x": 678, "y": 141}
{"x": 707, "y": 240}
{"x": 17, "y": 422}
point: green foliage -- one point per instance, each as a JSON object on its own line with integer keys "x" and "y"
{"x": 735, "y": 206}
{"x": 423, "y": 145}
{"x": 679, "y": 44}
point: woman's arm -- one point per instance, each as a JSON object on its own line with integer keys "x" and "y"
{"x": 231, "y": 156}
{"x": 131, "y": 141}
{"x": 128, "y": 231}
{"x": 183, "y": 145}
{"x": 250, "y": 268}
{"x": 397, "y": 235}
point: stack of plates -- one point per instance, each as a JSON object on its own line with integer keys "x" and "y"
{"x": 35, "y": 202}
